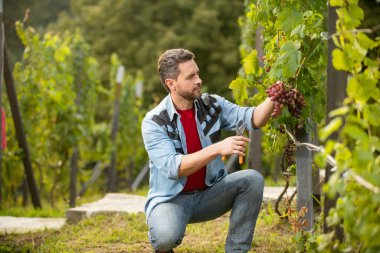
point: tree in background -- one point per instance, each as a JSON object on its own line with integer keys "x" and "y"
{"x": 41, "y": 13}
{"x": 139, "y": 31}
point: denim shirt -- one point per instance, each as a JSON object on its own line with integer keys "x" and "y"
{"x": 165, "y": 142}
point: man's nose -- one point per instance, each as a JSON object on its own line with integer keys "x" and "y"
{"x": 198, "y": 80}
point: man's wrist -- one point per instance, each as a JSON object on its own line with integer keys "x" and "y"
{"x": 214, "y": 149}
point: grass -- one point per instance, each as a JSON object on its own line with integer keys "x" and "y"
{"x": 61, "y": 205}
{"x": 57, "y": 211}
{"x": 128, "y": 233}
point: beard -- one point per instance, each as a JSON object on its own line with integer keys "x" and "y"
{"x": 195, "y": 94}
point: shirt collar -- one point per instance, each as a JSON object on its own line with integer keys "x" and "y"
{"x": 171, "y": 109}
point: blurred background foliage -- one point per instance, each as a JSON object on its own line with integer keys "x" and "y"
{"x": 139, "y": 31}
{"x": 65, "y": 55}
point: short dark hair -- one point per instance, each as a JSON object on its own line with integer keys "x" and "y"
{"x": 168, "y": 63}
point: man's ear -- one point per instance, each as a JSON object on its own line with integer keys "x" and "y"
{"x": 170, "y": 83}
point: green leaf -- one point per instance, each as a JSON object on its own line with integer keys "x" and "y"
{"x": 287, "y": 63}
{"x": 339, "y": 60}
{"x": 251, "y": 64}
{"x": 364, "y": 41}
{"x": 21, "y": 33}
{"x": 355, "y": 12}
{"x": 354, "y": 131}
{"x": 239, "y": 89}
{"x": 339, "y": 111}
{"x": 353, "y": 88}
{"x": 371, "y": 113}
{"x": 288, "y": 19}
{"x": 351, "y": 16}
{"x": 343, "y": 153}
{"x": 335, "y": 3}
{"x": 320, "y": 159}
{"x": 362, "y": 156}
{"x": 258, "y": 98}
{"x": 299, "y": 30}
{"x": 333, "y": 126}
{"x": 361, "y": 88}
{"x": 330, "y": 146}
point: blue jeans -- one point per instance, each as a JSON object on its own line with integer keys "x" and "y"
{"x": 241, "y": 192}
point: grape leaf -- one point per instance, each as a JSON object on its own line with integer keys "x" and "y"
{"x": 364, "y": 41}
{"x": 288, "y": 62}
{"x": 361, "y": 88}
{"x": 239, "y": 89}
{"x": 251, "y": 64}
{"x": 334, "y": 3}
{"x": 372, "y": 114}
{"x": 333, "y": 126}
{"x": 339, "y": 60}
{"x": 288, "y": 19}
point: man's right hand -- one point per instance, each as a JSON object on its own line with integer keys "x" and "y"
{"x": 232, "y": 145}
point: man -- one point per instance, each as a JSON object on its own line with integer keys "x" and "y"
{"x": 188, "y": 180}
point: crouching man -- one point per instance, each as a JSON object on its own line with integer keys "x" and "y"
{"x": 188, "y": 179}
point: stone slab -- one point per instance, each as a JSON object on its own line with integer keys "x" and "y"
{"x": 127, "y": 203}
{"x": 112, "y": 203}
{"x": 271, "y": 193}
{"x": 10, "y": 224}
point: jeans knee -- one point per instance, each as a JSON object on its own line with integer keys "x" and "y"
{"x": 165, "y": 240}
{"x": 255, "y": 180}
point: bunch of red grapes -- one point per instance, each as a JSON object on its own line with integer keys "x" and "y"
{"x": 282, "y": 95}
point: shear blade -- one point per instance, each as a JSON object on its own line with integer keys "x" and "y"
{"x": 240, "y": 128}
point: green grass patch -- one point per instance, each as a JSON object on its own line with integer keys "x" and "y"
{"x": 47, "y": 210}
{"x": 128, "y": 233}
{"x": 29, "y": 211}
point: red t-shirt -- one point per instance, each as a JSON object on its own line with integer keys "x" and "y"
{"x": 195, "y": 181}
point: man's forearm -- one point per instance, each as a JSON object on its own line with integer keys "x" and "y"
{"x": 195, "y": 161}
{"x": 262, "y": 113}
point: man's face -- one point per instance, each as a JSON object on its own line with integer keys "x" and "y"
{"x": 188, "y": 84}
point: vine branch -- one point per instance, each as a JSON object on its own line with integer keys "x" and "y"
{"x": 364, "y": 30}
{"x": 331, "y": 161}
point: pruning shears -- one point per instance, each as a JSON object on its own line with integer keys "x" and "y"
{"x": 240, "y": 128}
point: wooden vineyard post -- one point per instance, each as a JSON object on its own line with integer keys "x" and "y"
{"x": 336, "y": 92}
{"x": 1, "y": 90}
{"x": 75, "y": 154}
{"x": 20, "y": 134}
{"x": 254, "y": 156}
{"x": 73, "y": 175}
{"x": 112, "y": 173}
{"x": 304, "y": 179}
{"x": 316, "y": 180}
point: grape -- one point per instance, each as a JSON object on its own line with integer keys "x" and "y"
{"x": 289, "y": 153}
{"x": 282, "y": 95}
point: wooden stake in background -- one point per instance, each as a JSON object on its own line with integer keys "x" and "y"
{"x": 20, "y": 134}
{"x": 112, "y": 174}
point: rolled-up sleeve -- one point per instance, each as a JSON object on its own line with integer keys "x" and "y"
{"x": 233, "y": 113}
{"x": 161, "y": 149}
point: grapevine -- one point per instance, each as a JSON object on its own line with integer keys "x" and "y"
{"x": 289, "y": 67}
{"x": 285, "y": 96}
{"x": 60, "y": 108}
